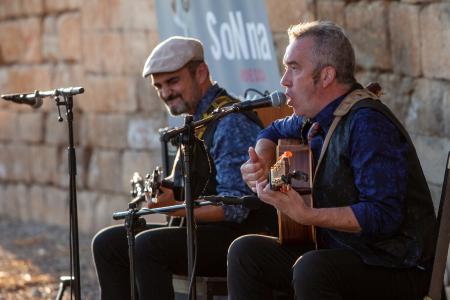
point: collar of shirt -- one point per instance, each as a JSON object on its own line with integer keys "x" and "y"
{"x": 325, "y": 116}
{"x": 206, "y": 100}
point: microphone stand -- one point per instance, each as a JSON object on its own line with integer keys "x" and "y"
{"x": 74, "y": 244}
{"x": 132, "y": 219}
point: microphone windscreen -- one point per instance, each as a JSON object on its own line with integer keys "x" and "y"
{"x": 278, "y": 99}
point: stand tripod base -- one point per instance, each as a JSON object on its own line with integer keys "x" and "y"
{"x": 64, "y": 281}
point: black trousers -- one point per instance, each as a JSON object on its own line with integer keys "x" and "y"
{"x": 159, "y": 253}
{"x": 259, "y": 265}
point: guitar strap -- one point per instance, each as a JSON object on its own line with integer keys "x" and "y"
{"x": 346, "y": 105}
{"x": 219, "y": 102}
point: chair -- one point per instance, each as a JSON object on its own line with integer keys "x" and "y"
{"x": 437, "y": 290}
{"x": 207, "y": 287}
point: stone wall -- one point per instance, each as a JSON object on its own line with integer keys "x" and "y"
{"x": 102, "y": 45}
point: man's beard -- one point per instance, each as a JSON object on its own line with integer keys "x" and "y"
{"x": 181, "y": 108}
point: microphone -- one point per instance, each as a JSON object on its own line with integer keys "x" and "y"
{"x": 275, "y": 99}
{"x": 250, "y": 202}
{"x": 35, "y": 99}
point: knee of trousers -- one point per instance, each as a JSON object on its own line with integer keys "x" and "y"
{"x": 241, "y": 251}
{"x": 150, "y": 245}
{"x": 101, "y": 243}
{"x": 309, "y": 270}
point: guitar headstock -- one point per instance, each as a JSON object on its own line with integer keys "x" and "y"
{"x": 153, "y": 182}
{"x": 279, "y": 172}
{"x": 137, "y": 185}
{"x": 281, "y": 175}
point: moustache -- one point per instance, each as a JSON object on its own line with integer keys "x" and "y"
{"x": 171, "y": 97}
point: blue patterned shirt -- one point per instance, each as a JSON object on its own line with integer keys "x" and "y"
{"x": 377, "y": 155}
{"x": 234, "y": 134}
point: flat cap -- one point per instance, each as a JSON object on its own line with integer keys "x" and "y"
{"x": 172, "y": 54}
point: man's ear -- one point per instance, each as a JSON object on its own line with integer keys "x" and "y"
{"x": 202, "y": 73}
{"x": 327, "y": 76}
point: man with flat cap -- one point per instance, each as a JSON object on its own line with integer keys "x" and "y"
{"x": 179, "y": 74}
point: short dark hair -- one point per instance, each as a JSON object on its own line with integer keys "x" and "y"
{"x": 331, "y": 48}
{"x": 193, "y": 65}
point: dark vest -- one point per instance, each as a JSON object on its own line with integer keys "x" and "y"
{"x": 334, "y": 187}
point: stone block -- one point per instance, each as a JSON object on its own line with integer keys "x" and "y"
{"x": 87, "y": 203}
{"x": 397, "y": 92}
{"x": 67, "y": 75}
{"x": 148, "y": 100}
{"x": 30, "y": 127}
{"x": 143, "y": 133}
{"x": 23, "y": 202}
{"x": 10, "y": 8}
{"x": 57, "y": 133}
{"x": 283, "y": 14}
{"x": 5, "y": 164}
{"x": 8, "y": 125}
{"x": 119, "y": 14}
{"x": 138, "y": 14}
{"x": 3, "y": 200}
{"x": 24, "y": 41}
{"x": 57, "y": 206}
{"x": 104, "y": 130}
{"x": 331, "y": 10}
{"x": 138, "y": 46}
{"x": 366, "y": 25}
{"x": 404, "y": 32}
{"x": 435, "y": 40}
{"x": 32, "y": 7}
{"x": 15, "y": 8}
{"x": 109, "y": 94}
{"x": 18, "y": 162}
{"x": 101, "y": 14}
{"x": 50, "y": 46}
{"x": 106, "y": 206}
{"x": 11, "y": 206}
{"x": 17, "y": 201}
{"x": 427, "y": 113}
{"x": 38, "y": 204}
{"x": 52, "y": 6}
{"x": 105, "y": 171}
{"x": 69, "y": 36}
{"x": 141, "y": 162}
{"x": 104, "y": 52}
{"x": 432, "y": 152}
{"x": 44, "y": 163}
{"x": 281, "y": 41}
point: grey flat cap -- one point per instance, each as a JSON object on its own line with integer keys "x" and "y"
{"x": 172, "y": 54}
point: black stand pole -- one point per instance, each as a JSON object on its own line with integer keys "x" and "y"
{"x": 187, "y": 142}
{"x": 129, "y": 225}
{"x": 74, "y": 245}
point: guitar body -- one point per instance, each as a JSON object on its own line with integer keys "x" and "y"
{"x": 289, "y": 231}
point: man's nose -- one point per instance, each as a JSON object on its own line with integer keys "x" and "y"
{"x": 165, "y": 93}
{"x": 285, "y": 80}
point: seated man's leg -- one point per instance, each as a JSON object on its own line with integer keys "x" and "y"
{"x": 163, "y": 252}
{"x": 110, "y": 252}
{"x": 341, "y": 274}
{"x": 258, "y": 266}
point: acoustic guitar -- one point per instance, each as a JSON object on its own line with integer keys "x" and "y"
{"x": 293, "y": 169}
